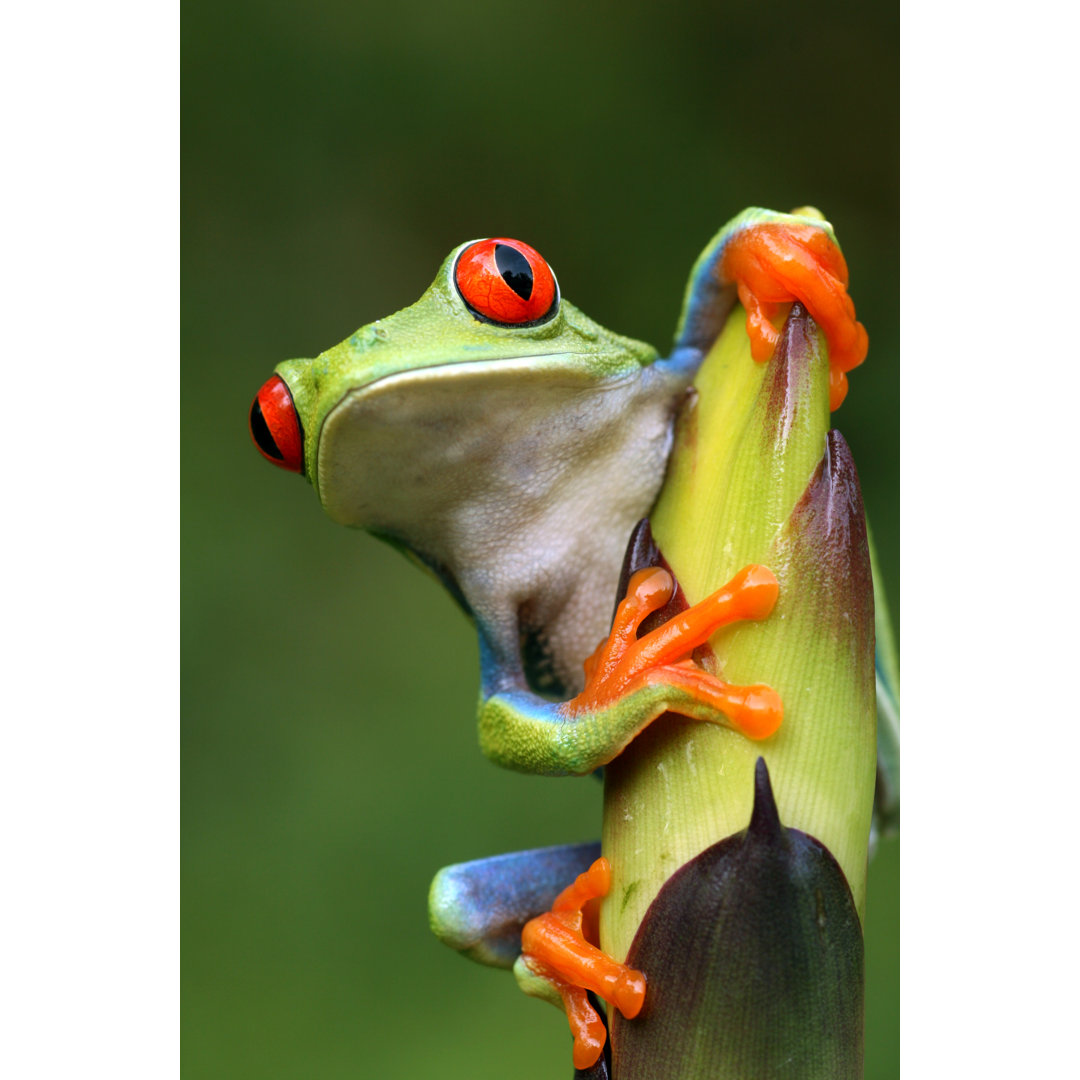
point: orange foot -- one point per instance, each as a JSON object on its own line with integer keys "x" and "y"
{"x": 775, "y": 264}
{"x": 625, "y": 663}
{"x": 555, "y": 946}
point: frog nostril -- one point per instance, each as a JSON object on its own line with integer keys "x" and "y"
{"x": 275, "y": 427}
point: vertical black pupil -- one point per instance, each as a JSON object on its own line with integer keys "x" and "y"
{"x": 262, "y": 434}
{"x": 515, "y": 270}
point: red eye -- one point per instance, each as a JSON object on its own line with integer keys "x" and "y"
{"x": 275, "y": 427}
{"x": 506, "y": 281}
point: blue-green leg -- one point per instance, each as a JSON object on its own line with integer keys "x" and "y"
{"x": 480, "y": 907}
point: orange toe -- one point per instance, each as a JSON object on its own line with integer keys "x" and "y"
{"x": 624, "y": 662}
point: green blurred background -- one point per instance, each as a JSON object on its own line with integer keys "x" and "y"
{"x": 333, "y": 153}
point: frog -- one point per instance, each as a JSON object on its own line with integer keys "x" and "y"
{"x": 510, "y": 445}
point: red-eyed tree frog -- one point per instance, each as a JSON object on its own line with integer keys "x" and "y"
{"x": 509, "y": 443}
{"x": 501, "y": 438}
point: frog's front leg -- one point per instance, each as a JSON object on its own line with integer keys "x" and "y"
{"x": 480, "y": 908}
{"x": 766, "y": 260}
{"x": 632, "y": 680}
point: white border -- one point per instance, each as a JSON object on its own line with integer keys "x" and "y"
{"x": 89, "y": 795}
{"x": 989, "y": 494}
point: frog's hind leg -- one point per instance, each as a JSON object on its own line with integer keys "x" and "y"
{"x": 481, "y": 907}
{"x": 492, "y": 909}
{"x": 561, "y": 963}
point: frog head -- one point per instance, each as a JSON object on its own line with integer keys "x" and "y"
{"x": 490, "y": 367}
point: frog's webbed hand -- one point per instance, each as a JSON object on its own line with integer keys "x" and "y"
{"x": 768, "y": 260}
{"x": 631, "y": 680}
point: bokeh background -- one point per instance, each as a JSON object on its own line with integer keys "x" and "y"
{"x": 334, "y": 151}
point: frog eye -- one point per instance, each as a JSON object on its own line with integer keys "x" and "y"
{"x": 506, "y": 281}
{"x": 275, "y": 427}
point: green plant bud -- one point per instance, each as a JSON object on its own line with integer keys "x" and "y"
{"x": 757, "y": 477}
{"x": 755, "y": 955}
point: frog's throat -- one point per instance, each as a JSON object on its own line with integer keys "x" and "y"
{"x": 523, "y": 478}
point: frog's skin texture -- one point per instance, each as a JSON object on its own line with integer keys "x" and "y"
{"x": 512, "y": 461}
